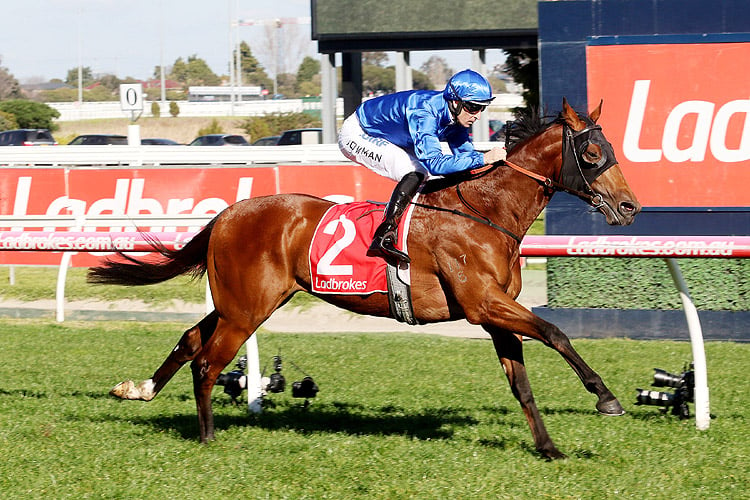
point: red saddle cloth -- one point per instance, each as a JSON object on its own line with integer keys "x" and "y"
{"x": 338, "y": 252}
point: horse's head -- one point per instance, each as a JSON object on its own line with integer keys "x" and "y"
{"x": 589, "y": 167}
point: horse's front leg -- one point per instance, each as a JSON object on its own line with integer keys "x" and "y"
{"x": 509, "y": 349}
{"x": 188, "y": 347}
{"x": 498, "y": 310}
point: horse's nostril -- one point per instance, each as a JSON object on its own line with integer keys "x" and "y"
{"x": 629, "y": 208}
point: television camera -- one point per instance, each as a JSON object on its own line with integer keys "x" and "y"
{"x": 235, "y": 382}
{"x": 684, "y": 385}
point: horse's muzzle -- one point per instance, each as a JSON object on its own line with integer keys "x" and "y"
{"x": 619, "y": 203}
{"x": 620, "y": 213}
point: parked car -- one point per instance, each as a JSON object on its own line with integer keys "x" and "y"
{"x": 153, "y": 141}
{"x": 271, "y": 140}
{"x": 301, "y": 136}
{"x": 99, "y": 140}
{"x": 219, "y": 140}
{"x": 27, "y": 137}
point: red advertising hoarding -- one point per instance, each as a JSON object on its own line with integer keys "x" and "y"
{"x": 678, "y": 116}
{"x": 165, "y": 191}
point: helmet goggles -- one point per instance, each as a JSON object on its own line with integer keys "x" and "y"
{"x": 472, "y": 107}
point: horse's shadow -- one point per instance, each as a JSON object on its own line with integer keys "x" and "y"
{"x": 335, "y": 417}
{"x": 431, "y": 423}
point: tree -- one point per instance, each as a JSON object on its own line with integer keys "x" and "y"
{"x": 523, "y": 66}
{"x": 86, "y": 77}
{"x": 379, "y": 59}
{"x": 253, "y": 72}
{"x": 308, "y": 78}
{"x": 111, "y": 82}
{"x": 212, "y": 128}
{"x": 283, "y": 47}
{"x": 376, "y": 79}
{"x": 64, "y": 94}
{"x": 286, "y": 84}
{"x": 308, "y": 69}
{"x": 30, "y": 114}
{"x": 7, "y": 121}
{"x": 9, "y": 86}
{"x": 100, "y": 93}
{"x": 437, "y": 70}
{"x": 421, "y": 81}
{"x": 194, "y": 71}
{"x": 174, "y": 109}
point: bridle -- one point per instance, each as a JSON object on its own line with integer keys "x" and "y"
{"x": 576, "y": 174}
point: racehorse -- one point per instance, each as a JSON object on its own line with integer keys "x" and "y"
{"x": 463, "y": 241}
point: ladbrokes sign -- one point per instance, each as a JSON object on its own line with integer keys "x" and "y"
{"x": 678, "y": 116}
{"x": 165, "y": 191}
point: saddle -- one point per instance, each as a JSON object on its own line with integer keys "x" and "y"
{"x": 339, "y": 263}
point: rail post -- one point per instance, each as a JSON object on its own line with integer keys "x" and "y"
{"x": 702, "y": 411}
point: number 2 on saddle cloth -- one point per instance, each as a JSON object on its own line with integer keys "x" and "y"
{"x": 338, "y": 251}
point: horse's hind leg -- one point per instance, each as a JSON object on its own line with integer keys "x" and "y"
{"x": 509, "y": 350}
{"x": 187, "y": 349}
{"x": 216, "y": 354}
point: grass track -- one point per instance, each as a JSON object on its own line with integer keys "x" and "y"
{"x": 398, "y": 416}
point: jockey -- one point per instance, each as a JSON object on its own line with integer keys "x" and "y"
{"x": 398, "y": 136}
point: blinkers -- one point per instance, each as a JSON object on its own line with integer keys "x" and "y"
{"x": 579, "y": 170}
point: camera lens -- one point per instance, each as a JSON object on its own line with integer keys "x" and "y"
{"x": 665, "y": 379}
{"x": 654, "y": 398}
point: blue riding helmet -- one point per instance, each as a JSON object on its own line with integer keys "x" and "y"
{"x": 468, "y": 86}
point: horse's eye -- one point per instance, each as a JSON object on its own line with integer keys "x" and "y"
{"x": 591, "y": 156}
{"x": 592, "y": 153}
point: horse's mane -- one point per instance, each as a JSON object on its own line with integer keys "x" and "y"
{"x": 527, "y": 122}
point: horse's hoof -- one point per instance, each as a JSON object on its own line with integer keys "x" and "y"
{"x": 128, "y": 390}
{"x": 125, "y": 390}
{"x": 611, "y": 408}
{"x": 553, "y": 454}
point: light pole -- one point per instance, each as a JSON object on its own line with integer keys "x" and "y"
{"x": 161, "y": 57}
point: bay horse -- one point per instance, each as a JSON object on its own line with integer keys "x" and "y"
{"x": 464, "y": 265}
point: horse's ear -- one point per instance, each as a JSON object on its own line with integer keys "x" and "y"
{"x": 594, "y": 115}
{"x": 571, "y": 117}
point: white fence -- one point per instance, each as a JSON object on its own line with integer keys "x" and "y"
{"x": 72, "y": 111}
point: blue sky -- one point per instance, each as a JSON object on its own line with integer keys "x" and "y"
{"x": 43, "y": 39}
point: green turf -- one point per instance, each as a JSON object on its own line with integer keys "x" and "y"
{"x": 398, "y": 416}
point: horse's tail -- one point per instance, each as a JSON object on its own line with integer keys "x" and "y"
{"x": 191, "y": 258}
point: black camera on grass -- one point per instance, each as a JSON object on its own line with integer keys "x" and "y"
{"x": 684, "y": 385}
{"x": 235, "y": 381}
{"x": 305, "y": 388}
{"x": 276, "y": 382}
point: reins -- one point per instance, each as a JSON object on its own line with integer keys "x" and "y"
{"x": 481, "y": 219}
{"x": 550, "y": 183}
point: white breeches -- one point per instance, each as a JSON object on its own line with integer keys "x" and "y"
{"x": 379, "y": 155}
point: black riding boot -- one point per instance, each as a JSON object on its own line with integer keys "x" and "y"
{"x": 384, "y": 240}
